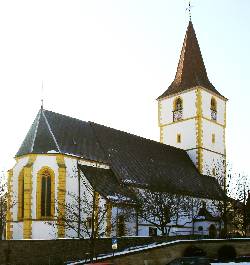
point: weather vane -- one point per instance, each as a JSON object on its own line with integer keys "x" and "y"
{"x": 189, "y": 10}
{"x": 42, "y": 96}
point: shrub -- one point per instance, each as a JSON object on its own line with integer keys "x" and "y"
{"x": 226, "y": 252}
{"x": 193, "y": 251}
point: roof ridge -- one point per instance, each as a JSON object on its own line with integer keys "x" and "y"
{"x": 51, "y": 132}
{"x": 143, "y": 138}
{"x": 154, "y": 141}
{"x": 37, "y": 123}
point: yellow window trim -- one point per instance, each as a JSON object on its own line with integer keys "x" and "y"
{"x": 39, "y": 192}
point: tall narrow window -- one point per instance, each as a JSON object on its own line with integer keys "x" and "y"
{"x": 213, "y": 109}
{"x": 178, "y": 107}
{"x": 45, "y": 193}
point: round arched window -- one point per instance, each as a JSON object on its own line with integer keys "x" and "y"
{"x": 178, "y": 104}
{"x": 213, "y": 104}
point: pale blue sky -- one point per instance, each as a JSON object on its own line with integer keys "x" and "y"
{"x": 107, "y": 61}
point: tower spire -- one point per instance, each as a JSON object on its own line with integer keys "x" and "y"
{"x": 191, "y": 70}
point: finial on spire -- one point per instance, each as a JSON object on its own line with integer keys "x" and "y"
{"x": 189, "y": 10}
{"x": 42, "y": 96}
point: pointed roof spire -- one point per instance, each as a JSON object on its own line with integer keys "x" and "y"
{"x": 191, "y": 70}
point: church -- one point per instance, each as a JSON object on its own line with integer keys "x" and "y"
{"x": 72, "y": 175}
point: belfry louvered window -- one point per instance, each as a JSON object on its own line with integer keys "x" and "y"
{"x": 46, "y": 194}
{"x": 177, "y": 111}
{"x": 213, "y": 109}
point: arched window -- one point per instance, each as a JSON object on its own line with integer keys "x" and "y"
{"x": 178, "y": 104}
{"x": 177, "y": 109}
{"x": 45, "y": 193}
{"x": 213, "y": 104}
{"x": 213, "y": 108}
{"x": 20, "y": 212}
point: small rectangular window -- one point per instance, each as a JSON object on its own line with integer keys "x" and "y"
{"x": 89, "y": 222}
{"x": 178, "y": 138}
{"x": 213, "y": 138}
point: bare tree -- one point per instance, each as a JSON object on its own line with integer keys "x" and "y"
{"x": 239, "y": 206}
{"x": 3, "y": 205}
{"x": 159, "y": 208}
{"x": 232, "y": 209}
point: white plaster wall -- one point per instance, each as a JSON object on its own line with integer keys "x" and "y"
{"x": 205, "y": 225}
{"x": 193, "y": 156}
{"x": 72, "y": 193}
{"x": 17, "y": 226}
{"x": 212, "y": 160}
{"x": 166, "y": 107}
{"x": 210, "y": 128}
{"x": 86, "y": 194}
{"x": 187, "y": 130}
{"x": 43, "y": 230}
{"x": 17, "y": 230}
{"x": 206, "y": 106}
{"x": 143, "y": 230}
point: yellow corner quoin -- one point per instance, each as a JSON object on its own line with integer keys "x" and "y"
{"x": 108, "y": 218}
{"x": 224, "y": 140}
{"x": 27, "y": 187}
{"x": 161, "y": 135}
{"x": 39, "y": 193}
{"x": 96, "y": 212}
{"x": 159, "y": 112}
{"x": 199, "y": 132}
{"x": 61, "y": 192}
{"x": 9, "y": 215}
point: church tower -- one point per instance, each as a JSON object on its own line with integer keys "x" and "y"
{"x": 192, "y": 113}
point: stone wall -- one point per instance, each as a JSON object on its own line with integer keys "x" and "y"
{"x": 166, "y": 252}
{"x": 55, "y": 251}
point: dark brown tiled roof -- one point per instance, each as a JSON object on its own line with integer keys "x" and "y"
{"x": 191, "y": 70}
{"x": 145, "y": 162}
{"x": 54, "y": 132}
{"x": 105, "y": 182}
{"x": 133, "y": 160}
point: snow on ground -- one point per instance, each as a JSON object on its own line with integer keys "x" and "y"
{"x": 232, "y": 263}
{"x": 154, "y": 245}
